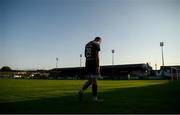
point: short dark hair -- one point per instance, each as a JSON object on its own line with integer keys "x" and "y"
{"x": 97, "y": 38}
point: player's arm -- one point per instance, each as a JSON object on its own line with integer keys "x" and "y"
{"x": 97, "y": 61}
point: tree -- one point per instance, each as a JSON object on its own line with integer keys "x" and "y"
{"x": 6, "y": 68}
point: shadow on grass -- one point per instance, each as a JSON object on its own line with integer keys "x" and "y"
{"x": 164, "y": 98}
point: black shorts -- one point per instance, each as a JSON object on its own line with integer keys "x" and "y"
{"x": 91, "y": 67}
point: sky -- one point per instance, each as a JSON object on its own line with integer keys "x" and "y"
{"x": 33, "y": 33}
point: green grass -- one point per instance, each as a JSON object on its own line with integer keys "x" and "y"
{"x": 60, "y": 96}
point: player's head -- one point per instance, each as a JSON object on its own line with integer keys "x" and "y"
{"x": 98, "y": 40}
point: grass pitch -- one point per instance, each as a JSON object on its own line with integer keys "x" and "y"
{"x": 60, "y": 96}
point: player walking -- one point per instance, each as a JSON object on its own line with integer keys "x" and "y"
{"x": 92, "y": 67}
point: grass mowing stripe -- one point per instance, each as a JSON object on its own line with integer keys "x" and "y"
{"x": 60, "y": 96}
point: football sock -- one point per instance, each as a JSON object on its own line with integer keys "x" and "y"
{"x": 94, "y": 90}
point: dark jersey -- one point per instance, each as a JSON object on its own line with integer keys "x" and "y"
{"x": 90, "y": 54}
{"x": 90, "y": 50}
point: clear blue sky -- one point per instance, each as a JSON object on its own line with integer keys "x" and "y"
{"x": 34, "y": 32}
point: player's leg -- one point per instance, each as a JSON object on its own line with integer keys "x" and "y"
{"x": 89, "y": 70}
{"x": 95, "y": 89}
{"x": 85, "y": 86}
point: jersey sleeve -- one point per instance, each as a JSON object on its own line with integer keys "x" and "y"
{"x": 97, "y": 47}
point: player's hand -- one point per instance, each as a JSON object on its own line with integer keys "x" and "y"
{"x": 98, "y": 70}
